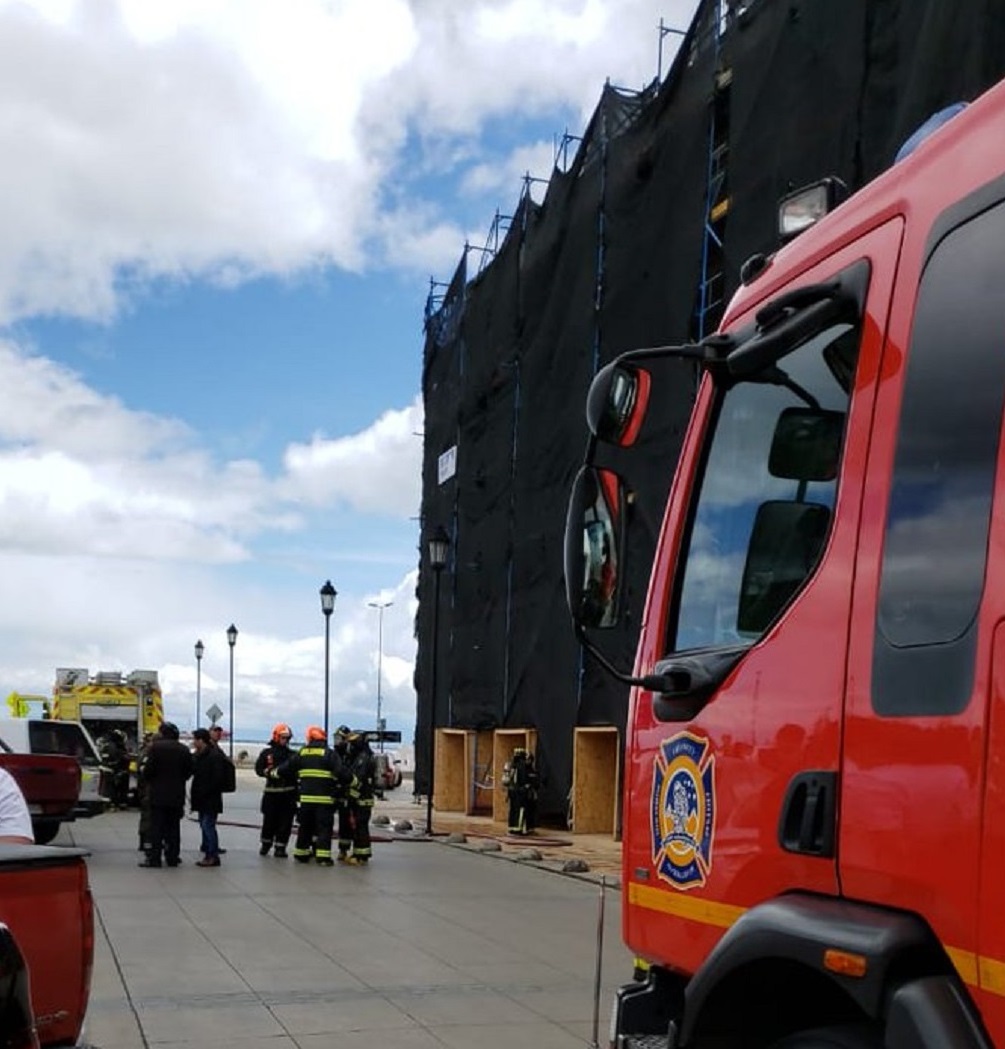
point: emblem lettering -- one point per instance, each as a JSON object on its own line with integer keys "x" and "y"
{"x": 683, "y": 810}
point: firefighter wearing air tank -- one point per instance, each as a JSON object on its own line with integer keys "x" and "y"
{"x": 359, "y": 803}
{"x": 279, "y": 797}
{"x": 321, "y": 778}
{"x": 521, "y": 781}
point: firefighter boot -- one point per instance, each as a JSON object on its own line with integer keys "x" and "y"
{"x": 263, "y": 849}
{"x": 280, "y": 852}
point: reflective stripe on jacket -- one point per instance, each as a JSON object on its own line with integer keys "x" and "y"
{"x": 363, "y": 765}
{"x": 315, "y": 776}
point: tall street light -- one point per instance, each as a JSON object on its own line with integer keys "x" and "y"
{"x": 199, "y": 649}
{"x": 231, "y": 640}
{"x": 328, "y": 595}
{"x": 380, "y": 606}
{"x": 439, "y": 548}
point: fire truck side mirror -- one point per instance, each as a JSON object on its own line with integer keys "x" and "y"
{"x": 593, "y": 547}
{"x": 616, "y": 403}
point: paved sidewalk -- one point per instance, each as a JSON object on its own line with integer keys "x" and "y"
{"x": 432, "y": 945}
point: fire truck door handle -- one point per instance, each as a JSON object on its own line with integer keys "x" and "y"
{"x": 807, "y": 822}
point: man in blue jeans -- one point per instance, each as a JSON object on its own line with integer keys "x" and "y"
{"x": 207, "y": 794}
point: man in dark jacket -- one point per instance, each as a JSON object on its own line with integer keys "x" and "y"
{"x": 207, "y": 793}
{"x": 143, "y": 792}
{"x": 321, "y": 777}
{"x": 166, "y": 770}
{"x": 279, "y": 798}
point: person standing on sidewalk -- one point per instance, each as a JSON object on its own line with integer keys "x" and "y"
{"x": 216, "y": 735}
{"x": 321, "y": 777}
{"x": 363, "y": 766}
{"x": 340, "y": 744}
{"x": 167, "y": 769}
{"x": 143, "y": 792}
{"x": 521, "y": 780}
{"x": 279, "y": 797}
{"x": 207, "y": 793}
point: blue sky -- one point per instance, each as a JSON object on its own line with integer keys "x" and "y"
{"x": 220, "y": 222}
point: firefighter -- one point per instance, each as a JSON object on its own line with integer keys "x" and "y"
{"x": 279, "y": 797}
{"x": 363, "y": 766}
{"x": 321, "y": 777}
{"x": 340, "y": 744}
{"x": 521, "y": 780}
{"x": 114, "y": 752}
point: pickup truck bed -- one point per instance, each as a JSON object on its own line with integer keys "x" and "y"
{"x": 50, "y": 784}
{"x": 45, "y": 901}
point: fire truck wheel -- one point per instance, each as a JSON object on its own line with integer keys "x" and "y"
{"x": 851, "y": 1036}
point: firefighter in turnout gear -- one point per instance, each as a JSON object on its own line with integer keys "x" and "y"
{"x": 340, "y": 743}
{"x": 521, "y": 781}
{"x": 363, "y": 766}
{"x": 114, "y": 752}
{"x": 321, "y": 777}
{"x": 279, "y": 798}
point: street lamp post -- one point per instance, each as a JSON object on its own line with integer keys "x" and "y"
{"x": 199, "y": 649}
{"x": 380, "y": 606}
{"x": 328, "y": 595}
{"x": 439, "y": 548}
{"x": 231, "y": 640}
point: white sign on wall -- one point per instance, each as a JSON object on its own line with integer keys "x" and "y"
{"x": 447, "y": 464}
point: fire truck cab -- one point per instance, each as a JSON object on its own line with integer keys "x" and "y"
{"x": 814, "y": 797}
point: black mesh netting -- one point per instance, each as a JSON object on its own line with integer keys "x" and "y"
{"x": 775, "y": 95}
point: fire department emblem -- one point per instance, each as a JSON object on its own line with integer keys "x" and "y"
{"x": 683, "y": 810}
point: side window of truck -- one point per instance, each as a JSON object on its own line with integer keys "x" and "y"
{"x": 767, "y": 490}
{"x": 58, "y": 737}
{"x": 942, "y": 488}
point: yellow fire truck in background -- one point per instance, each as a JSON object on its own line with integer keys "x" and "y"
{"x": 112, "y": 706}
{"x": 109, "y": 700}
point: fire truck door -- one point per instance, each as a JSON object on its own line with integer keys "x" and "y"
{"x": 744, "y": 796}
{"x": 926, "y": 650}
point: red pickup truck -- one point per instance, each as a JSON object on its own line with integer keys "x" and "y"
{"x": 50, "y": 784}
{"x": 46, "y": 907}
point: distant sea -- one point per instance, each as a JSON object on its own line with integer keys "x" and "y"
{"x": 405, "y": 753}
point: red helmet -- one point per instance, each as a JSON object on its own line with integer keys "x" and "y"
{"x": 280, "y": 729}
{"x": 315, "y": 734}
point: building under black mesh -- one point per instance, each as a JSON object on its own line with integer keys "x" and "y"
{"x": 638, "y": 243}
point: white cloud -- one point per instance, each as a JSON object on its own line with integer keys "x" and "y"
{"x": 229, "y": 138}
{"x": 80, "y": 473}
{"x": 506, "y": 176}
{"x": 378, "y": 470}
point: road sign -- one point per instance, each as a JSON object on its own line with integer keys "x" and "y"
{"x": 214, "y": 713}
{"x": 384, "y": 736}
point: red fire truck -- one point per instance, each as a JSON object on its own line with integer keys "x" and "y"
{"x": 814, "y": 798}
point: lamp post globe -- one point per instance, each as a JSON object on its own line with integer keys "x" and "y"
{"x": 328, "y": 594}
{"x": 439, "y": 550}
{"x": 199, "y": 649}
{"x": 231, "y": 640}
